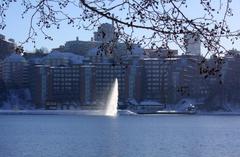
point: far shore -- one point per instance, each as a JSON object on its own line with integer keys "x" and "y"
{"x": 51, "y": 112}
{"x": 91, "y": 112}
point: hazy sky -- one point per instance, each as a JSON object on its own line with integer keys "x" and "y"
{"x": 17, "y": 28}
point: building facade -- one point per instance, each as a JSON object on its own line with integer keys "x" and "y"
{"x": 15, "y": 71}
{"x": 192, "y": 44}
{"x": 64, "y": 86}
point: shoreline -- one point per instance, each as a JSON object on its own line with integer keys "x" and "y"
{"x": 98, "y": 112}
{"x": 51, "y": 112}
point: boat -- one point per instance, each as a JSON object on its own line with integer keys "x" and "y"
{"x": 190, "y": 110}
{"x": 154, "y": 107}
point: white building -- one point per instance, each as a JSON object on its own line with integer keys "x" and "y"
{"x": 56, "y": 58}
{"x": 193, "y": 44}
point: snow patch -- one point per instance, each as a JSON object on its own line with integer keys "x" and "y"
{"x": 75, "y": 59}
{"x": 18, "y": 99}
{"x": 15, "y": 58}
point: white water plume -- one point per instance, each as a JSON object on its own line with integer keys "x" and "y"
{"x": 112, "y": 101}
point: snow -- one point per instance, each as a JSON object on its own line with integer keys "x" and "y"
{"x": 183, "y": 104}
{"x": 35, "y": 60}
{"x": 132, "y": 101}
{"x": 232, "y": 107}
{"x": 93, "y": 52}
{"x": 18, "y": 99}
{"x": 150, "y": 102}
{"x": 15, "y": 58}
{"x": 137, "y": 51}
{"x": 75, "y": 59}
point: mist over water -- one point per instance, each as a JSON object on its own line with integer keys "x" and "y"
{"x": 112, "y": 101}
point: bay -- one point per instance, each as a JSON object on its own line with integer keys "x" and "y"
{"x": 122, "y": 136}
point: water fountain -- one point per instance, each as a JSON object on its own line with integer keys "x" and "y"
{"x": 112, "y": 101}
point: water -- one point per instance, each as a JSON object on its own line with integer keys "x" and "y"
{"x": 123, "y": 136}
{"x": 112, "y": 102}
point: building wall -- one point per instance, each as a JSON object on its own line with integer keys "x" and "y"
{"x": 38, "y": 81}
{"x": 158, "y": 79}
{"x": 88, "y": 88}
{"x": 105, "y": 76}
{"x": 191, "y": 83}
{"x": 64, "y": 85}
{"x": 15, "y": 74}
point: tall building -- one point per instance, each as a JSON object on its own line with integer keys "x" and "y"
{"x": 105, "y": 33}
{"x": 193, "y": 44}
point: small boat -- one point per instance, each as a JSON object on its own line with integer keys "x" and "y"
{"x": 190, "y": 110}
{"x": 165, "y": 112}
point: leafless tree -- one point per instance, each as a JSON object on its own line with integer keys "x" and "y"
{"x": 165, "y": 21}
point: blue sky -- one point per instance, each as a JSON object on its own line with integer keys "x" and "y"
{"x": 17, "y": 28}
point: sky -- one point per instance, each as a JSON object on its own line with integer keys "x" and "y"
{"x": 17, "y": 28}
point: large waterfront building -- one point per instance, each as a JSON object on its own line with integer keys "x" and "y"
{"x": 83, "y": 76}
{"x": 142, "y": 76}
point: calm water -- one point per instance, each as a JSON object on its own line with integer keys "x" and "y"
{"x": 124, "y": 136}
